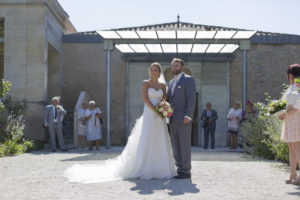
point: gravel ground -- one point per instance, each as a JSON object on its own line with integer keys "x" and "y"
{"x": 216, "y": 174}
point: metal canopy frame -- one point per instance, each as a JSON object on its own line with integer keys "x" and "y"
{"x": 142, "y": 44}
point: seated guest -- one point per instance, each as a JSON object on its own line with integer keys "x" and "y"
{"x": 209, "y": 118}
{"x": 234, "y": 117}
{"x": 82, "y": 128}
{"x": 53, "y": 121}
{"x": 92, "y": 116}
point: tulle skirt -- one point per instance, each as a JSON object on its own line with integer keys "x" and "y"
{"x": 147, "y": 155}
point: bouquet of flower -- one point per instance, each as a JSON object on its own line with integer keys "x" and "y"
{"x": 164, "y": 109}
{"x": 277, "y": 107}
{"x": 297, "y": 81}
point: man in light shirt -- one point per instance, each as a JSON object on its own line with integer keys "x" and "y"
{"x": 182, "y": 97}
{"x": 53, "y": 121}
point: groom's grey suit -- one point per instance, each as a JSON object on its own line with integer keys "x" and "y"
{"x": 183, "y": 102}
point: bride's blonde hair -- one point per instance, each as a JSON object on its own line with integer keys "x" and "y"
{"x": 156, "y": 64}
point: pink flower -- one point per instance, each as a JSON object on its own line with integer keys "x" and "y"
{"x": 170, "y": 114}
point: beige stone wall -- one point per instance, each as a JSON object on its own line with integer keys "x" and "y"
{"x": 267, "y": 65}
{"x": 84, "y": 69}
{"x": 30, "y": 26}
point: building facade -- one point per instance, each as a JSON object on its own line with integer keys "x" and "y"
{"x": 44, "y": 56}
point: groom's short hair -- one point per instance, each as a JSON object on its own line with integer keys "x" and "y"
{"x": 178, "y": 60}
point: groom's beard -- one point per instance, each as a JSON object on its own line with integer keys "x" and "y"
{"x": 176, "y": 72}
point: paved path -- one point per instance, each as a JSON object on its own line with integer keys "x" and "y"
{"x": 216, "y": 175}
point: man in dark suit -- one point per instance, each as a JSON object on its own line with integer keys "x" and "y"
{"x": 209, "y": 118}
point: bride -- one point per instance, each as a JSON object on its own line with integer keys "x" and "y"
{"x": 148, "y": 152}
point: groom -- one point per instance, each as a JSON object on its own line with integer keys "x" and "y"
{"x": 182, "y": 97}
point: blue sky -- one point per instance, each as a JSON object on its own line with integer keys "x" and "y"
{"x": 282, "y": 16}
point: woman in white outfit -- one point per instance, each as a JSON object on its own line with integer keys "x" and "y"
{"x": 234, "y": 118}
{"x": 148, "y": 152}
{"x": 93, "y": 115}
{"x": 82, "y": 127}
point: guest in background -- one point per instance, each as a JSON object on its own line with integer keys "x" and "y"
{"x": 234, "y": 118}
{"x": 93, "y": 116}
{"x": 82, "y": 125}
{"x": 291, "y": 125}
{"x": 209, "y": 118}
{"x": 53, "y": 121}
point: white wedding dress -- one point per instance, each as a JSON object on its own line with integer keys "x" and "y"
{"x": 147, "y": 154}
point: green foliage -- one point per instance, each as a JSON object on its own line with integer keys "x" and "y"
{"x": 4, "y": 88}
{"x": 12, "y": 124}
{"x": 263, "y": 134}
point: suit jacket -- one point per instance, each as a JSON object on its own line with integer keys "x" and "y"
{"x": 214, "y": 116}
{"x": 183, "y": 100}
{"x": 49, "y": 116}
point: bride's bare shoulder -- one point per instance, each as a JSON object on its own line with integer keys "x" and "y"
{"x": 163, "y": 85}
{"x": 145, "y": 83}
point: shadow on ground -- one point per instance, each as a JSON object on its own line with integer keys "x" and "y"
{"x": 295, "y": 193}
{"x": 174, "y": 186}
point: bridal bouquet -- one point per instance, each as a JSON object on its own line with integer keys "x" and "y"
{"x": 277, "y": 107}
{"x": 164, "y": 109}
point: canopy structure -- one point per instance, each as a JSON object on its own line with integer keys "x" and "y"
{"x": 179, "y": 42}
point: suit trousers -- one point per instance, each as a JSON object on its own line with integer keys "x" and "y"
{"x": 180, "y": 135}
{"x": 209, "y": 131}
{"x": 56, "y": 131}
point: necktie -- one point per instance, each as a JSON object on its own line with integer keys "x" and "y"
{"x": 55, "y": 113}
{"x": 174, "y": 85}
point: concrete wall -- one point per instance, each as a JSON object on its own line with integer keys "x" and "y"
{"x": 84, "y": 69}
{"x": 267, "y": 65}
{"x": 30, "y": 26}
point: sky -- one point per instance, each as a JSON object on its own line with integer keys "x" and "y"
{"x": 280, "y": 16}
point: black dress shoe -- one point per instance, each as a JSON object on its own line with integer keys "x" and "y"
{"x": 53, "y": 150}
{"x": 205, "y": 148}
{"x": 182, "y": 176}
{"x": 64, "y": 150}
{"x": 212, "y": 147}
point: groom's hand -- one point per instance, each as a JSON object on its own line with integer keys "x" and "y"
{"x": 186, "y": 120}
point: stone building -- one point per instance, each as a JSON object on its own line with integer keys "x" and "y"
{"x": 45, "y": 56}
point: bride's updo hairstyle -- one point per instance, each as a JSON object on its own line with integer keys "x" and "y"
{"x": 157, "y": 65}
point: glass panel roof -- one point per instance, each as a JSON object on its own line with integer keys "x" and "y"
{"x": 229, "y": 48}
{"x": 205, "y": 34}
{"x": 186, "y": 34}
{"x": 184, "y": 48}
{"x": 124, "y": 48}
{"x": 128, "y": 34}
{"x": 176, "y": 41}
{"x": 244, "y": 34}
{"x": 169, "y": 48}
{"x": 199, "y": 48}
{"x": 139, "y": 48}
{"x": 147, "y": 34}
{"x": 166, "y": 34}
{"x": 109, "y": 34}
{"x": 214, "y": 48}
{"x": 154, "y": 48}
{"x": 224, "y": 34}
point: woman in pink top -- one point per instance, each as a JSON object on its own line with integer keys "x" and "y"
{"x": 291, "y": 125}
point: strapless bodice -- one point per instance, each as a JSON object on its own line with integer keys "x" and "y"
{"x": 155, "y": 95}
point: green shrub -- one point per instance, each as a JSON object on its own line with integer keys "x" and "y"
{"x": 263, "y": 134}
{"x": 28, "y": 146}
{"x": 12, "y": 124}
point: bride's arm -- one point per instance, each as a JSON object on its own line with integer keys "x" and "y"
{"x": 146, "y": 100}
{"x": 164, "y": 88}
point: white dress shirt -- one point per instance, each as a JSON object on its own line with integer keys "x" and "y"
{"x": 174, "y": 83}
